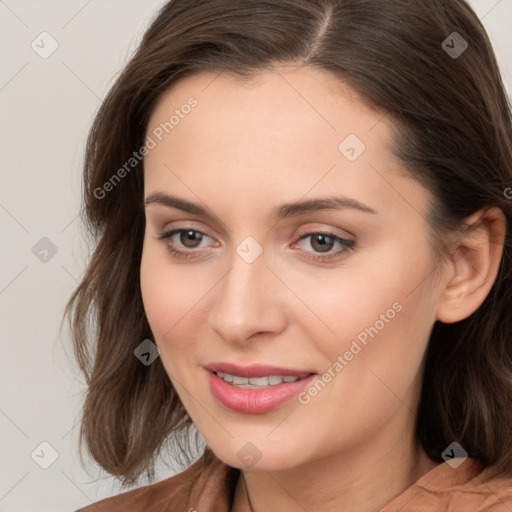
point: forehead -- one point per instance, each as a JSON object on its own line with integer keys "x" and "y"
{"x": 286, "y": 129}
{"x": 279, "y": 113}
{"x": 284, "y": 93}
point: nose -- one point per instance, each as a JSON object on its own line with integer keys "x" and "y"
{"x": 248, "y": 301}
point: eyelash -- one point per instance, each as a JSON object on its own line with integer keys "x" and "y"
{"x": 348, "y": 245}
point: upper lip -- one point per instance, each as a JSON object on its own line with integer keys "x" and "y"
{"x": 256, "y": 370}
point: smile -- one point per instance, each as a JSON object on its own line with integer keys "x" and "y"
{"x": 257, "y": 382}
{"x": 255, "y": 389}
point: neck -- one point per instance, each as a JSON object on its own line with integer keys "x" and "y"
{"x": 357, "y": 480}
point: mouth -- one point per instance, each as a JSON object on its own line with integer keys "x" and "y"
{"x": 266, "y": 381}
{"x": 255, "y": 389}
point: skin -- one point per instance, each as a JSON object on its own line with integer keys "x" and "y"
{"x": 245, "y": 149}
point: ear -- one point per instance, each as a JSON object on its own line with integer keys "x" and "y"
{"x": 474, "y": 265}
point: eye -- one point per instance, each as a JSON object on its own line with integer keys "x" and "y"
{"x": 323, "y": 242}
{"x": 187, "y": 237}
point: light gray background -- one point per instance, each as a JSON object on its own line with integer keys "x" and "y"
{"x": 47, "y": 107}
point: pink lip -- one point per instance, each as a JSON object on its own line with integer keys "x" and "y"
{"x": 255, "y": 401}
{"x": 256, "y": 370}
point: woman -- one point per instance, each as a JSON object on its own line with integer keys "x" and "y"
{"x": 303, "y": 252}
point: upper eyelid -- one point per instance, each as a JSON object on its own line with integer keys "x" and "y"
{"x": 171, "y": 232}
{"x": 346, "y": 244}
{"x": 330, "y": 231}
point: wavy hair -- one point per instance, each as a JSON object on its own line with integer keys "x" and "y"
{"x": 453, "y": 133}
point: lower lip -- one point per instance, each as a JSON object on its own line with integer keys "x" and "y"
{"x": 255, "y": 401}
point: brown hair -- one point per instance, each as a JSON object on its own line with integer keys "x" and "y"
{"x": 453, "y": 134}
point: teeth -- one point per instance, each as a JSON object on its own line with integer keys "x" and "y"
{"x": 259, "y": 381}
{"x": 256, "y": 382}
{"x": 273, "y": 380}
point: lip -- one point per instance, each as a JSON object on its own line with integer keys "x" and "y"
{"x": 255, "y": 401}
{"x": 256, "y": 370}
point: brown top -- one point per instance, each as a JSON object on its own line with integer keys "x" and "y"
{"x": 208, "y": 485}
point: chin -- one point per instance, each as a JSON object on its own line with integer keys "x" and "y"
{"x": 259, "y": 456}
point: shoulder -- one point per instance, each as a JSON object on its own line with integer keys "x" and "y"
{"x": 207, "y": 482}
{"x": 467, "y": 487}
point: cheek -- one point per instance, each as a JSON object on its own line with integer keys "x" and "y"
{"x": 364, "y": 324}
{"x": 379, "y": 317}
{"x": 174, "y": 302}
{"x": 163, "y": 294}
{"x": 351, "y": 301}
{"x": 157, "y": 296}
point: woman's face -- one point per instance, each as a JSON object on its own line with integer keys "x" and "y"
{"x": 273, "y": 171}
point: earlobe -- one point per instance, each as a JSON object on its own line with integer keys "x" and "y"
{"x": 475, "y": 265}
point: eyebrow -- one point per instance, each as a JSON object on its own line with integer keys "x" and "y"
{"x": 283, "y": 211}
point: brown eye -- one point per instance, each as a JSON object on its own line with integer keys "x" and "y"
{"x": 189, "y": 238}
{"x": 322, "y": 243}
{"x": 184, "y": 242}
